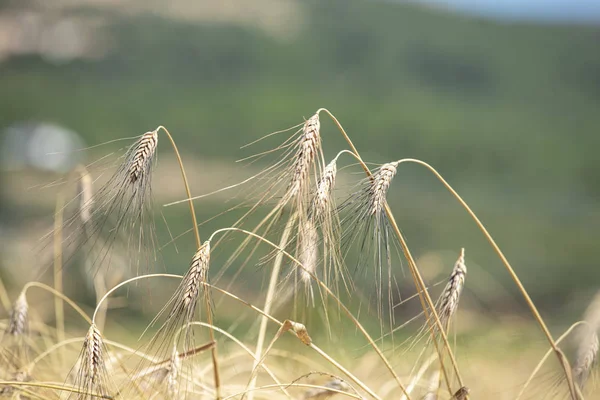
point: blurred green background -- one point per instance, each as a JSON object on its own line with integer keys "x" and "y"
{"x": 506, "y": 110}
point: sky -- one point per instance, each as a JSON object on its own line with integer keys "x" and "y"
{"x": 584, "y": 11}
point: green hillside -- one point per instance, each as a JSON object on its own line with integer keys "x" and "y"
{"x": 511, "y": 110}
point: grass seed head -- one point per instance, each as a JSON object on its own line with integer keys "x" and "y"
{"x": 380, "y": 185}
{"x": 93, "y": 356}
{"x": 451, "y": 295}
{"x": 587, "y": 357}
{"x": 17, "y": 324}
{"x": 142, "y": 157}
{"x": 196, "y": 275}
{"x": 307, "y": 149}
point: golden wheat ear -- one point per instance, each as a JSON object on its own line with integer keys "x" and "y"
{"x": 448, "y": 302}
{"x": 14, "y": 348}
{"x": 117, "y": 217}
{"x": 177, "y": 329}
{"x": 92, "y": 377}
{"x": 367, "y": 232}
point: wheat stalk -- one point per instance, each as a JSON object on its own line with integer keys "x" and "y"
{"x": 142, "y": 157}
{"x": 173, "y": 375}
{"x": 448, "y": 303}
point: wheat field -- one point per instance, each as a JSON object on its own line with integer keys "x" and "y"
{"x": 344, "y": 310}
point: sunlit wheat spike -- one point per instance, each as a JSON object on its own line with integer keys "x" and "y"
{"x": 93, "y": 356}
{"x": 86, "y": 199}
{"x": 195, "y": 276}
{"x": 324, "y": 188}
{"x": 142, "y": 157}
{"x": 451, "y": 295}
{"x": 92, "y": 376}
{"x": 380, "y": 186}
{"x": 17, "y": 324}
{"x": 305, "y": 155}
{"x": 587, "y": 356}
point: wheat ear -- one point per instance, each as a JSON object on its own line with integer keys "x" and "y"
{"x": 142, "y": 157}
{"x": 17, "y": 324}
{"x": 380, "y": 185}
{"x": 310, "y": 142}
{"x": 450, "y": 297}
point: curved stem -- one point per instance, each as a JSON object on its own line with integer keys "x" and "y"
{"x": 59, "y": 295}
{"x": 561, "y": 357}
{"x": 186, "y": 184}
{"x": 312, "y": 345}
{"x": 59, "y": 310}
{"x": 198, "y": 245}
{"x": 128, "y": 281}
{"x": 262, "y": 331}
{"x": 419, "y": 283}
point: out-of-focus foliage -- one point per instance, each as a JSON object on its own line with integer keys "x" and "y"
{"x": 505, "y": 109}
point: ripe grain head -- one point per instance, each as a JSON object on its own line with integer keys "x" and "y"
{"x": 448, "y": 303}
{"x": 142, "y": 156}
{"x": 17, "y": 325}
{"x": 379, "y": 187}
{"x": 308, "y": 146}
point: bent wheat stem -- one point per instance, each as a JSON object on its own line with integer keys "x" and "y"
{"x": 214, "y": 354}
{"x": 424, "y": 296}
{"x": 560, "y": 355}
